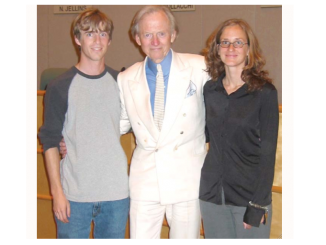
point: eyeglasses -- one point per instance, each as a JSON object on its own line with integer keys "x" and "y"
{"x": 236, "y": 44}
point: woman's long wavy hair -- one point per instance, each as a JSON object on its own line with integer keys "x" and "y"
{"x": 252, "y": 73}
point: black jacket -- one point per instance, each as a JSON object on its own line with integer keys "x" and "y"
{"x": 242, "y": 129}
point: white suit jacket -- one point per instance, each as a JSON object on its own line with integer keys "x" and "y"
{"x": 166, "y": 165}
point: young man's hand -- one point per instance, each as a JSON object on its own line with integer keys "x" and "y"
{"x": 61, "y": 208}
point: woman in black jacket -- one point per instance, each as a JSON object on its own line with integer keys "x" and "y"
{"x": 242, "y": 128}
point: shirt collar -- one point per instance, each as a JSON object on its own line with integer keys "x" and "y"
{"x": 165, "y": 63}
{"x": 218, "y": 86}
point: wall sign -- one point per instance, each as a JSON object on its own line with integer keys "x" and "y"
{"x": 70, "y": 9}
{"x": 271, "y": 5}
{"x": 176, "y": 8}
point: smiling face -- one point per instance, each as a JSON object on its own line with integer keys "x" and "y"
{"x": 155, "y": 37}
{"x": 93, "y": 44}
{"x": 233, "y": 57}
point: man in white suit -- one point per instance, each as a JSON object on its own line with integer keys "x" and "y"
{"x": 166, "y": 164}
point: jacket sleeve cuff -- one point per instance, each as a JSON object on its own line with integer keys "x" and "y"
{"x": 253, "y": 216}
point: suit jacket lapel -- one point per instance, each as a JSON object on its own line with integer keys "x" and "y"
{"x": 179, "y": 80}
{"x": 141, "y": 96}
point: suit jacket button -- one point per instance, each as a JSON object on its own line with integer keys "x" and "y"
{"x": 181, "y": 132}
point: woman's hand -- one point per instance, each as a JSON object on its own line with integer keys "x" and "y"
{"x": 248, "y": 227}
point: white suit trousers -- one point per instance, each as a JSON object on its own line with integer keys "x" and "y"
{"x": 146, "y": 219}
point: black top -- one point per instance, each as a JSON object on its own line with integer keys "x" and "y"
{"x": 242, "y": 130}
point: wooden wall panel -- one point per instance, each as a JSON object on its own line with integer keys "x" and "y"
{"x": 46, "y": 227}
{"x": 43, "y": 187}
{"x": 276, "y": 228}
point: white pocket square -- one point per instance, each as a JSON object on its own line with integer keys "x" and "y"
{"x": 191, "y": 90}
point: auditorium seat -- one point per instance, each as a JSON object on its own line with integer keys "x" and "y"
{"x": 49, "y": 74}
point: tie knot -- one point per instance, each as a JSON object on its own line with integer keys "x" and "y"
{"x": 159, "y": 68}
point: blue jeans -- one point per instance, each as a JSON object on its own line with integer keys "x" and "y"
{"x": 109, "y": 219}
